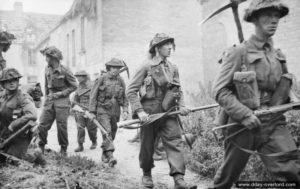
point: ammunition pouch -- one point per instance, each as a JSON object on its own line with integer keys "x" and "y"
{"x": 171, "y": 97}
{"x": 247, "y": 88}
{"x": 281, "y": 94}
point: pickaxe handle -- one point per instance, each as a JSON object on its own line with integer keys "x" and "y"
{"x": 237, "y": 21}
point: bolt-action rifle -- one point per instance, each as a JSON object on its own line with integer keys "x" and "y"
{"x": 259, "y": 113}
{"x": 84, "y": 110}
{"x": 127, "y": 124}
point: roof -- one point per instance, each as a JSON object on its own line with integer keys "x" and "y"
{"x": 36, "y": 23}
{"x": 87, "y": 8}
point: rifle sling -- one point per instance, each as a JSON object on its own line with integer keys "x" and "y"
{"x": 277, "y": 154}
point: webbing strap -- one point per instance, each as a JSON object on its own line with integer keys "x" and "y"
{"x": 261, "y": 154}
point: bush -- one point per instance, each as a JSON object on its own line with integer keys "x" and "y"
{"x": 207, "y": 154}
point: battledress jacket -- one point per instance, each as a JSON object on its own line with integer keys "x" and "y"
{"x": 268, "y": 63}
{"x": 139, "y": 79}
{"x": 10, "y": 104}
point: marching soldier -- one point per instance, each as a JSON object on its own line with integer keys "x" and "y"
{"x": 59, "y": 83}
{"x": 250, "y": 76}
{"x": 156, "y": 77}
{"x": 82, "y": 97}
{"x": 107, "y": 96}
{"x": 5, "y": 42}
{"x": 16, "y": 110}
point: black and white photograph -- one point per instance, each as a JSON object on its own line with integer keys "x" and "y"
{"x": 141, "y": 94}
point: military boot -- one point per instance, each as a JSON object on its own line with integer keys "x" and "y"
{"x": 42, "y": 148}
{"x": 111, "y": 160}
{"x": 181, "y": 184}
{"x": 104, "y": 158}
{"x": 147, "y": 179}
{"x": 79, "y": 148}
{"x": 63, "y": 150}
{"x": 94, "y": 145}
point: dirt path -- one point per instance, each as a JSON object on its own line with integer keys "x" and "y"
{"x": 126, "y": 154}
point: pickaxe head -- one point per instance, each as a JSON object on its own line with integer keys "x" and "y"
{"x": 125, "y": 68}
{"x": 231, "y": 4}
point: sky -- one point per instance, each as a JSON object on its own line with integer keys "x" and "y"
{"x": 59, "y": 7}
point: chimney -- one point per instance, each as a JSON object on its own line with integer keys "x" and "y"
{"x": 18, "y": 7}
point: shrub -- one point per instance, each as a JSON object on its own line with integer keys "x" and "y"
{"x": 207, "y": 155}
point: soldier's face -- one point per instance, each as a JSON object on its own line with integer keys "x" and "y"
{"x": 5, "y": 47}
{"x": 81, "y": 78}
{"x": 267, "y": 21}
{"x": 114, "y": 70}
{"x": 165, "y": 49}
{"x": 11, "y": 85}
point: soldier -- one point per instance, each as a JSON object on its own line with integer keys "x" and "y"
{"x": 16, "y": 109}
{"x": 108, "y": 94}
{"x": 82, "y": 98}
{"x": 154, "y": 79}
{"x": 59, "y": 83}
{"x": 5, "y": 42}
{"x": 36, "y": 93}
{"x": 249, "y": 76}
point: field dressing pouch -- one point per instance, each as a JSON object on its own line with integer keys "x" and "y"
{"x": 282, "y": 92}
{"x": 171, "y": 98}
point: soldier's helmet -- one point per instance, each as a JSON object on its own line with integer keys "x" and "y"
{"x": 114, "y": 62}
{"x": 258, "y": 5}
{"x": 6, "y": 38}
{"x": 159, "y": 39}
{"x": 53, "y": 52}
{"x": 81, "y": 73}
{"x": 8, "y": 74}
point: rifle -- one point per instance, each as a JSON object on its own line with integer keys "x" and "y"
{"x": 125, "y": 68}
{"x": 259, "y": 113}
{"x": 126, "y": 124}
{"x": 4, "y": 157}
{"x": 83, "y": 109}
{"x": 6, "y": 142}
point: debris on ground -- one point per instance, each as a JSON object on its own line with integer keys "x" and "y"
{"x": 73, "y": 172}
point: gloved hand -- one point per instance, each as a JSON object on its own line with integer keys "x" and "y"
{"x": 125, "y": 115}
{"x": 184, "y": 111}
{"x": 143, "y": 116}
{"x": 251, "y": 122}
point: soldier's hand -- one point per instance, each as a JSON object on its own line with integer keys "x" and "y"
{"x": 92, "y": 115}
{"x": 125, "y": 115}
{"x": 54, "y": 96}
{"x": 184, "y": 111}
{"x": 10, "y": 128}
{"x": 251, "y": 122}
{"x": 143, "y": 116}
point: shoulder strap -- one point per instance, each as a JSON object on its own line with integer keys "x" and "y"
{"x": 245, "y": 63}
